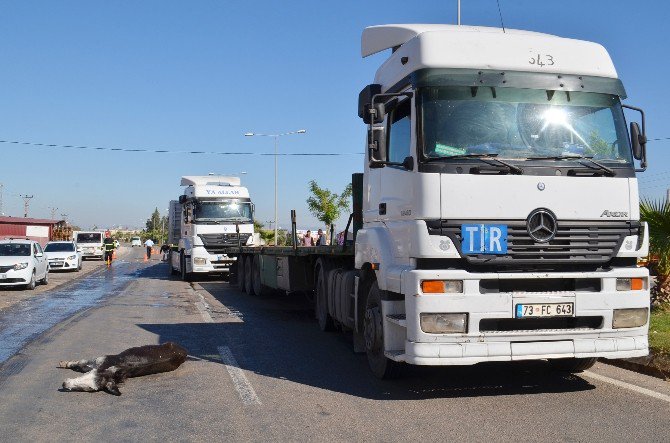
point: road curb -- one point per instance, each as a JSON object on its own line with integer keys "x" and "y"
{"x": 653, "y": 365}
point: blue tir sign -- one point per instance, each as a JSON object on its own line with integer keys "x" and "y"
{"x": 484, "y": 239}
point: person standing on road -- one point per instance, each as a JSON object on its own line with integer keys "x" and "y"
{"x": 109, "y": 246}
{"x": 149, "y": 244}
{"x": 165, "y": 250}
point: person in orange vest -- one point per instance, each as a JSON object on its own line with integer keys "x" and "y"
{"x": 109, "y": 246}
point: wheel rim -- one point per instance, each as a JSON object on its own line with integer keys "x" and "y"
{"x": 373, "y": 329}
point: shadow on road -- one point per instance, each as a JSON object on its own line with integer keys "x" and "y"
{"x": 277, "y": 337}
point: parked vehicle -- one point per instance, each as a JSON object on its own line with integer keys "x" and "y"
{"x": 63, "y": 255}
{"x": 135, "y": 241}
{"x": 90, "y": 243}
{"x": 213, "y": 213}
{"x": 22, "y": 262}
{"x": 497, "y": 217}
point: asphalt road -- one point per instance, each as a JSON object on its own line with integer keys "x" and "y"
{"x": 260, "y": 370}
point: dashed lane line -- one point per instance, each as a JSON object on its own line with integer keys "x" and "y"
{"x": 240, "y": 381}
{"x": 630, "y": 387}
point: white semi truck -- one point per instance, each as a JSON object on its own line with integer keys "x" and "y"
{"x": 498, "y": 207}
{"x": 213, "y": 213}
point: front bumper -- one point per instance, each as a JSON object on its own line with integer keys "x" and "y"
{"x": 213, "y": 263}
{"x": 19, "y": 277}
{"x": 485, "y": 341}
{"x": 63, "y": 264}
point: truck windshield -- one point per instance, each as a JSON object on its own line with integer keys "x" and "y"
{"x": 91, "y": 237}
{"x": 222, "y": 211}
{"x": 523, "y": 124}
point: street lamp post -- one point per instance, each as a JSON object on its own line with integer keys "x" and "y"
{"x": 276, "y": 137}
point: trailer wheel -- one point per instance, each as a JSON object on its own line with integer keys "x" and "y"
{"x": 326, "y": 323}
{"x": 241, "y": 273}
{"x": 573, "y": 365}
{"x": 373, "y": 331}
{"x": 249, "y": 275}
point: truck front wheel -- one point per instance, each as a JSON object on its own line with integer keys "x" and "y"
{"x": 326, "y": 323}
{"x": 573, "y": 365}
{"x": 373, "y": 331}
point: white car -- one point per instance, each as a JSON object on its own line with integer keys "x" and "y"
{"x": 22, "y": 262}
{"x": 63, "y": 255}
{"x": 135, "y": 241}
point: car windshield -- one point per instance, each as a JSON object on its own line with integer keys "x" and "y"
{"x": 220, "y": 211}
{"x": 135, "y": 239}
{"x": 59, "y": 247}
{"x": 90, "y": 237}
{"x": 523, "y": 124}
{"x": 14, "y": 249}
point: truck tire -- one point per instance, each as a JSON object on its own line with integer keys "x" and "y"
{"x": 185, "y": 276}
{"x": 573, "y": 365}
{"x": 326, "y": 322}
{"x": 241, "y": 273}
{"x": 249, "y": 275}
{"x": 259, "y": 288}
{"x": 373, "y": 331}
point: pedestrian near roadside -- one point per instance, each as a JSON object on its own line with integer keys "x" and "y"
{"x": 149, "y": 244}
{"x": 307, "y": 240}
{"x": 321, "y": 238}
{"x": 109, "y": 246}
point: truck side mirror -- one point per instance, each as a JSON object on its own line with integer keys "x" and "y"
{"x": 365, "y": 100}
{"x": 376, "y": 138}
{"x": 638, "y": 139}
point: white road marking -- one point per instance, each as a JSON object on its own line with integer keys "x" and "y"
{"x": 242, "y": 385}
{"x": 630, "y": 387}
{"x": 202, "y": 308}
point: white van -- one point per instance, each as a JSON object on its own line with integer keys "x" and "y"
{"x": 135, "y": 241}
{"x": 90, "y": 243}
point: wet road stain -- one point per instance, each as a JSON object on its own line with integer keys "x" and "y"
{"x": 29, "y": 319}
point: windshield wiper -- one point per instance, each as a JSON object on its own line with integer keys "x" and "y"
{"x": 598, "y": 165}
{"x": 489, "y": 159}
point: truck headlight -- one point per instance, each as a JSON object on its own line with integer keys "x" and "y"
{"x": 629, "y": 318}
{"x": 199, "y": 261}
{"x": 442, "y": 286}
{"x": 19, "y": 266}
{"x": 630, "y": 284}
{"x": 444, "y": 323}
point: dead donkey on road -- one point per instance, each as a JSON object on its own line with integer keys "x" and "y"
{"x": 107, "y": 372}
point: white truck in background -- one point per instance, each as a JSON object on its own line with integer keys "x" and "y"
{"x": 213, "y": 213}
{"x": 90, "y": 243}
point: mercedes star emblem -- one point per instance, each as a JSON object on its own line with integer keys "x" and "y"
{"x": 540, "y": 186}
{"x": 541, "y": 225}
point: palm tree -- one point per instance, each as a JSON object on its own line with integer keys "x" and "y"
{"x": 657, "y": 215}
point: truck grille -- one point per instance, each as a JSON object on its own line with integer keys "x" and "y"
{"x": 216, "y": 243}
{"x": 594, "y": 242}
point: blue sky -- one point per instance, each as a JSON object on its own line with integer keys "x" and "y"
{"x": 197, "y": 75}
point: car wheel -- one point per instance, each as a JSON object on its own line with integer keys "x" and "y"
{"x": 32, "y": 283}
{"x": 45, "y": 280}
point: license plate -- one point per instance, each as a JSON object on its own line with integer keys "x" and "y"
{"x": 3, "y": 276}
{"x": 545, "y": 310}
{"x": 484, "y": 239}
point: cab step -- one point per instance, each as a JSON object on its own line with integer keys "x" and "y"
{"x": 395, "y": 355}
{"x": 398, "y": 319}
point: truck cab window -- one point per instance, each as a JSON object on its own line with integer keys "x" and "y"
{"x": 399, "y": 133}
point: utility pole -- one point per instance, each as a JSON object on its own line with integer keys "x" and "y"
{"x": 26, "y": 204}
{"x": 53, "y": 212}
{"x": 64, "y": 217}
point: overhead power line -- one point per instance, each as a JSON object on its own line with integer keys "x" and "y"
{"x": 166, "y": 151}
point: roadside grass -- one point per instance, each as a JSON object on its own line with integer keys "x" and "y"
{"x": 659, "y": 331}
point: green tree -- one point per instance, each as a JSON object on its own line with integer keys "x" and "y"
{"x": 325, "y": 205}
{"x": 267, "y": 235}
{"x": 657, "y": 215}
{"x": 157, "y": 227}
